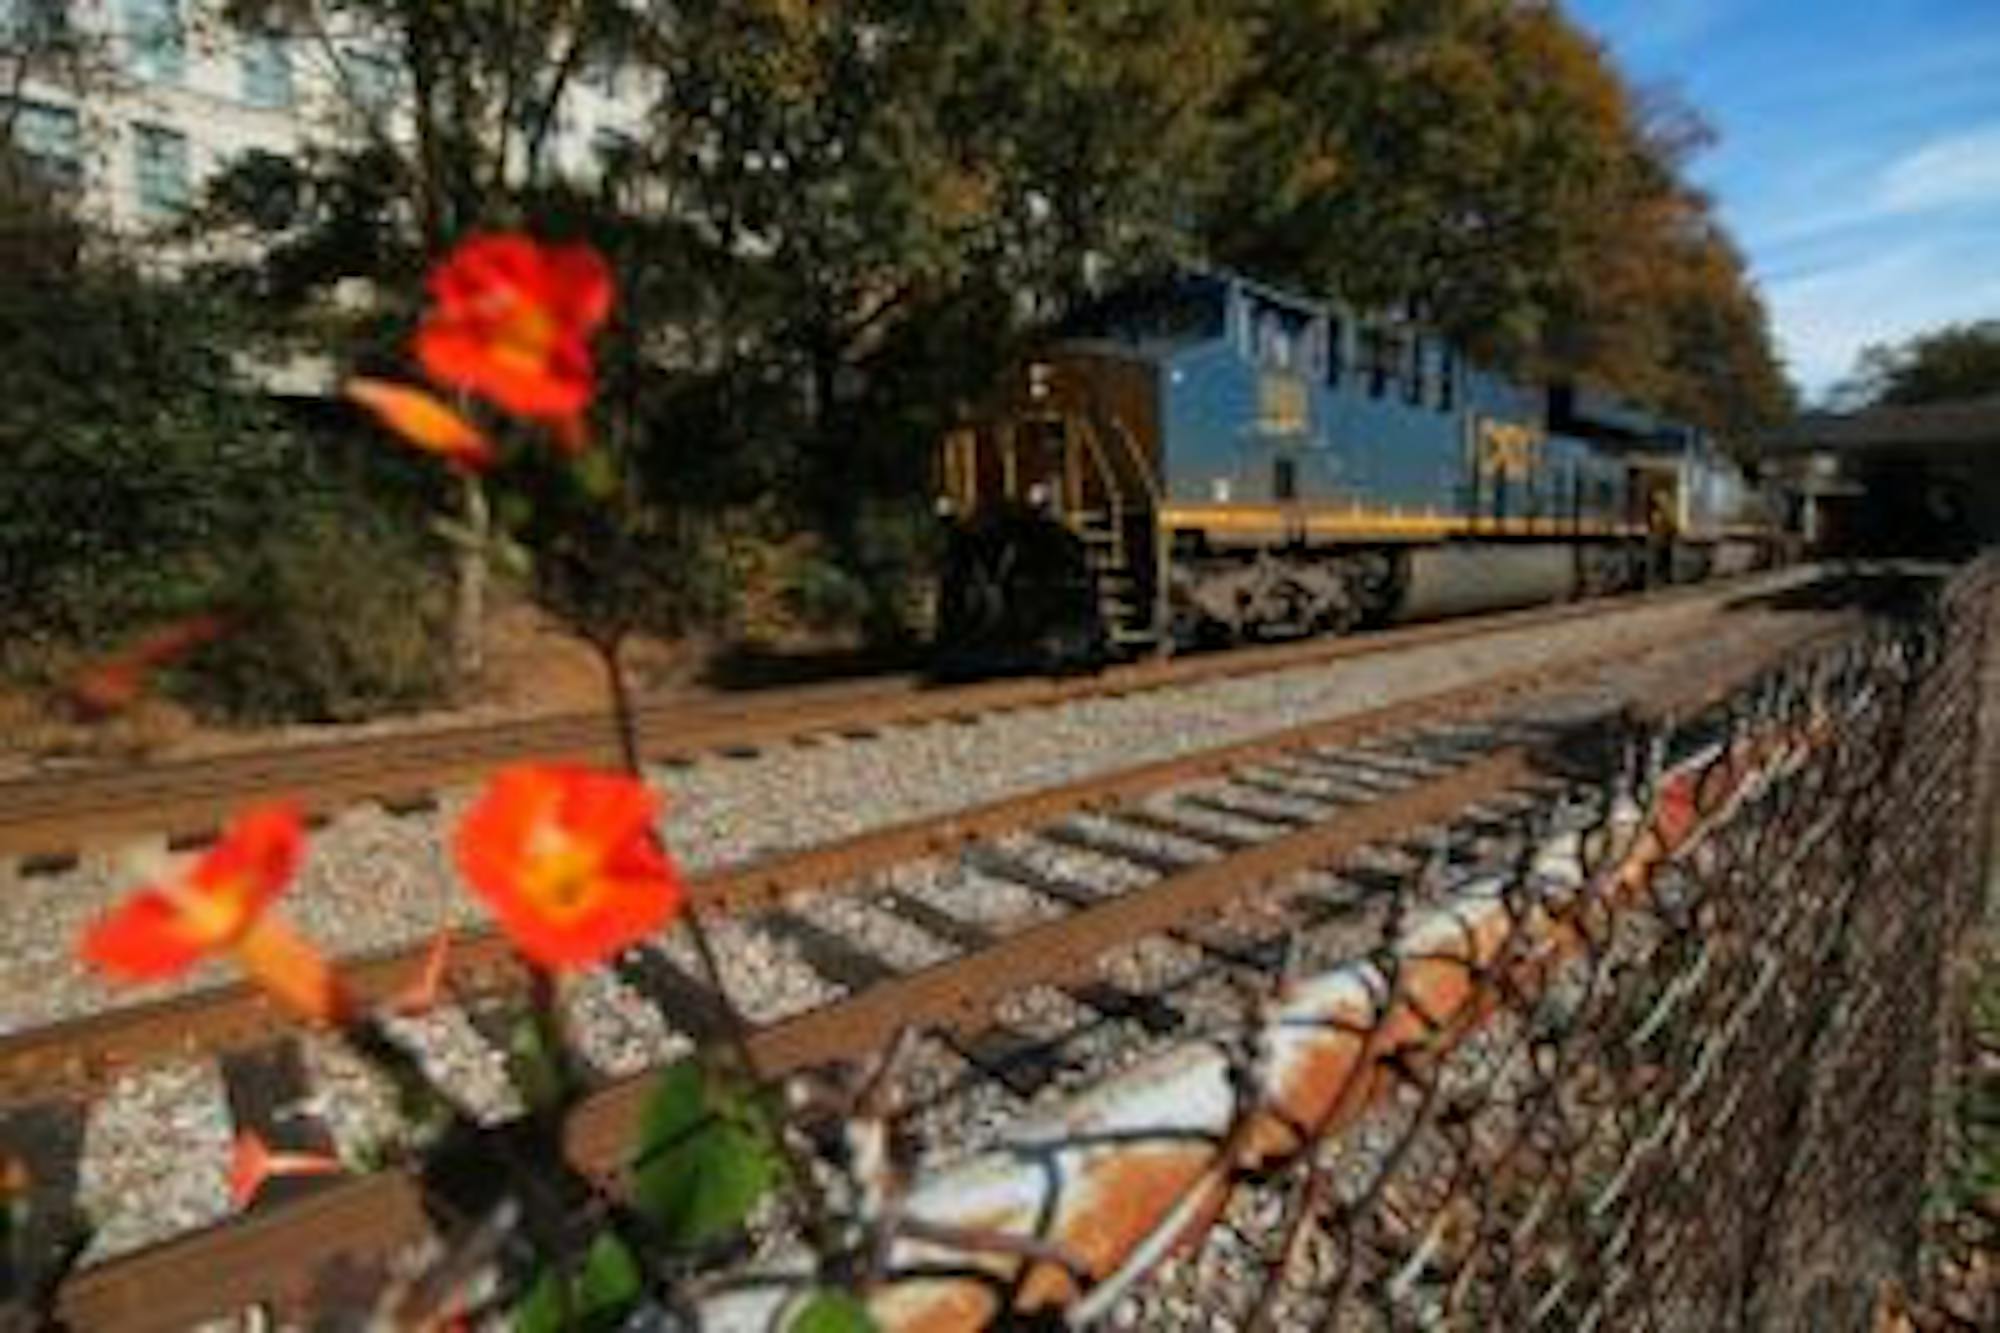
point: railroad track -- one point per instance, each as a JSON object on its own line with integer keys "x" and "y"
{"x": 48, "y": 820}
{"x": 962, "y": 926}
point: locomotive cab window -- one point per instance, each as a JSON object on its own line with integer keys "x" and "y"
{"x": 1447, "y": 379}
{"x": 1285, "y": 479}
{"x": 1378, "y": 358}
{"x": 1336, "y": 353}
{"x": 1276, "y": 348}
{"x": 1282, "y": 339}
{"x": 1413, "y": 371}
{"x": 1170, "y": 311}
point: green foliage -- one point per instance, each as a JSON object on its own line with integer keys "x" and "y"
{"x": 336, "y": 614}
{"x": 833, "y": 1312}
{"x": 136, "y": 467}
{"x": 595, "y": 1300}
{"x": 707, "y": 1153}
{"x": 1960, "y": 361}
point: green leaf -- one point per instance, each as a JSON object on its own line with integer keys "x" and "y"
{"x": 833, "y": 1312}
{"x": 546, "y": 1308}
{"x": 706, "y": 1155}
{"x": 598, "y": 1298}
{"x": 610, "y": 1284}
{"x": 510, "y": 557}
{"x": 597, "y": 473}
{"x": 533, "y": 1065}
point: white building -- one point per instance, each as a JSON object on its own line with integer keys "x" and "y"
{"x": 134, "y": 104}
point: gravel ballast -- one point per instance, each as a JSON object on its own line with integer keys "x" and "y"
{"x": 376, "y": 880}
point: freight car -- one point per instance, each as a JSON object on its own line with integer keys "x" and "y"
{"x": 1203, "y": 459}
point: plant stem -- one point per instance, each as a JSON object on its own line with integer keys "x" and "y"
{"x": 469, "y": 611}
{"x": 626, "y": 719}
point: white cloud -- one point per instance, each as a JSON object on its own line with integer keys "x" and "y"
{"x": 1825, "y": 318}
{"x": 1962, "y": 168}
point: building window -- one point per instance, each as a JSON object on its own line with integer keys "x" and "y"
{"x": 603, "y": 74}
{"x": 160, "y": 168}
{"x": 51, "y": 139}
{"x": 156, "y": 39}
{"x": 260, "y": 186}
{"x": 371, "y": 79}
{"x": 267, "y": 71}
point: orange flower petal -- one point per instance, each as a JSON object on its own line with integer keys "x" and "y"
{"x": 257, "y": 856}
{"x": 111, "y": 688}
{"x": 164, "y": 928}
{"x": 252, "y": 1162}
{"x": 176, "y": 640}
{"x": 115, "y": 684}
{"x": 579, "y": 283}
{"x": 424, "y": 421}
{"x": 558, "y": 385}
{"x": 142, "y": 941}
{"x": 422, "y": 997}
{"x": 292, "y": 971}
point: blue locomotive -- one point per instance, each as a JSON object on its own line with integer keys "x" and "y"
{"x": 1203, "y": 459}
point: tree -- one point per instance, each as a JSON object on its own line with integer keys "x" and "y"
{"x": 1957, "y": 362}
{"x": 887, "y": 196}
{"x": 1482, "y": 164}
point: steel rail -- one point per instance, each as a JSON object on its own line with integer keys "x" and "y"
{"x": 47, "y": 816}
{"x": 271, "y": 1257}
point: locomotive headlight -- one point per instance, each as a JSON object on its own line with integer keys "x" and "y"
{"x": 1039, "y": 374}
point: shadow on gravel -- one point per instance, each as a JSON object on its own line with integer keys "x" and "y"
{"x": 1896, "y": 592}
{"x": 749, "y": 668}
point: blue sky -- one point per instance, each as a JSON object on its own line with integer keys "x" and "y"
{"x": 1859, "y": 162}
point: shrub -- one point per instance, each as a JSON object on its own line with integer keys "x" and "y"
{"x": 339, "y": 616}
{"x": 135, "y": 466}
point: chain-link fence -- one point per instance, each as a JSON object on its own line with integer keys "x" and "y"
{"x": 1715, "y": 1111}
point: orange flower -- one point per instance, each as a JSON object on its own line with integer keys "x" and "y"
{"x": 568, "y": 860}
{"x": 424, "y": 421}
{"x": 218, "y": 906}
{"x": 512, "y": 323}
{"x": 253, "y": 1161}
{"x": 113, "y": 685}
